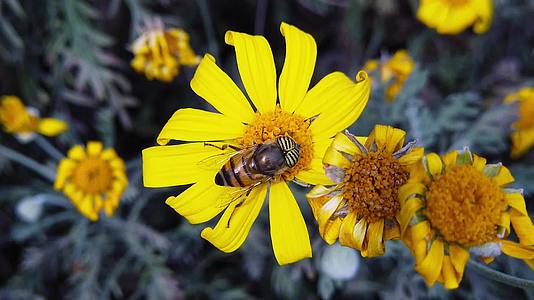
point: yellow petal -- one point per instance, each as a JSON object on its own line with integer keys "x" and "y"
{"x": 375, "y": 241}
{"x": 335, "y": 158}
{"x": 430, "y": 267}
{"x": 346, "y": 231}
{"x": 326, "y": 211}
{"x": 342, "y": 143}
{"x": 412, "y": 157}
{"x": 517, "y": 250}
{"x": 301, "y": 52}
{"x": 479, "y": 162}
{"x": 408, "y": 210}
{"x": 459, "y": 257}
{"x": 449, "y": 159}
{"x": 332, "y": 231}
{"x": 386, "y": 137}
{"x": 448, "y": 273}
{"x": 484, "y": 9}
{"x": 234, "y": 225}
{"x": 523, "y": 228}
{"x": 522, "y": 142}
{"x": 315, "y": 174}
{"x": 199, "y": 203}
{"x": 289, "y": 234}
{"x": 165, "y": 166}
{"x": 360, "y": 233}
{"x": 76, "y": 153}
{"x": 94, "y": 148}
{"x": 517, "y": 202}
{"x": 433, "y": 164}
{"x": 256, "y": 67}
{"x": 64, "y": 171}
{"x": 213, "y": 85}
{"x": 420, "y": 231}
{"x": 190, "y": 124}
{"x": 504, "y": 176}
{"x": 410, "y": 189}
{"x": 51, "y": 127}
{"x": 338, "y": 101}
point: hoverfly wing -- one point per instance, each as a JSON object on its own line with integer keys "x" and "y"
{"x": 236, "y": 194}
{"x": 233, "y": 195}
{"x": 216, "y": 161}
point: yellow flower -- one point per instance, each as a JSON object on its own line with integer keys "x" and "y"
{"x": 160, "y": 52}
{"x": 454, "y": 16}
{"x": 92, "y": 178}
{"x": 455, "y": 205}
{"x": 523, "y": 135}
{"x": 395, "y": 69}
{"x": 23, "y": 121}
{"x": 361, "y": 209}
{"x": 311, "y": 118}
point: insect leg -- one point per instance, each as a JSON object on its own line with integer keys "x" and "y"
{"x": 222, "y": 147}
{"x": 237, "y": 206}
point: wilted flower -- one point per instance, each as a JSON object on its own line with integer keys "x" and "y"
{"x": 24, "y": 121}
{"x": 456, "y": 204}
{"x": 523, "y": 135}
{"x": 361, "y": 208}
{"x": 393, "y": 70}
{"x": 311, "y": 118}
{"x": 160, "y": 52}
{"x": 92, "y": 178}
{"x": 454, "y": 16}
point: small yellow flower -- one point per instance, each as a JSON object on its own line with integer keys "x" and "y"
{"x": 394, "y": 70}
{"x": 310, "y": 117}
{"x": 92, "y": 178}
{"x": 22, "y": 121}
{"x": 523, "y": 135}
{"x": 454, "y": 16}
{"x": 160, "y": 52}
{"x": 455, "y": 205}
{"x": 361, "y": 209}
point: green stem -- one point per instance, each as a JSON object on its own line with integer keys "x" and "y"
{"x": 27, "y": 162}
{"x": 48, "y": 148}
{"x": 208, "y": 26}
{"x": 501, "y": 277}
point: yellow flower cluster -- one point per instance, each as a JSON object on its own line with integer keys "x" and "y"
{"x": 93, "y": 179}
{"x": 454, "y": 16}
{"x": 23, "y": 121}
{"x": 159, "y": 53}
{"x": 368, "y": 190}
{"x": 523, "y": 129}
{"x": 393, "y": 71}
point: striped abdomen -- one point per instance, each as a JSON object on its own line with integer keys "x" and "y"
{"x": 236, "y": 172}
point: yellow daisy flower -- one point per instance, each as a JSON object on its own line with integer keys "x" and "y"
{"x": 523, "y": 135}
{"x": 160, "y": 52}
{"x": 361, "y": 209}
{"x": 393, "y": 70}
{"x": 455, "y": 205}
{"x": 309, "y": 118}
{"x": 92, "y": 178}
{"x": 24, "y": 121}
{"x": 454, "y": 16}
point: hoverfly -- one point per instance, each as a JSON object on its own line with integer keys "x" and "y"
{"x": 247, "y": 168}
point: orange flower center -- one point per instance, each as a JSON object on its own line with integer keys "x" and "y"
{"x": 371, "y": 185}
{"x": 93, "y": 175}
{"x": 266, "y": 127}
{"x": 465, "y": 206}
